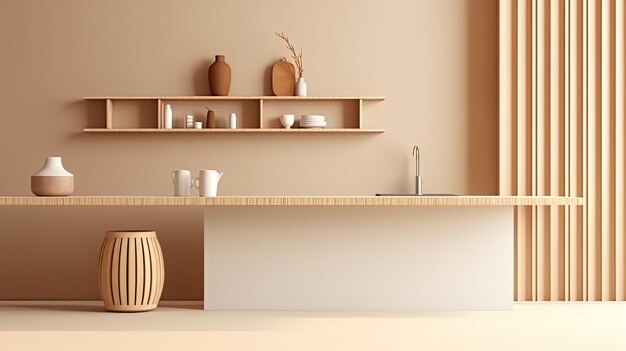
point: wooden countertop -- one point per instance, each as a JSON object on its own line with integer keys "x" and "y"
{"x": 289, "y": 201}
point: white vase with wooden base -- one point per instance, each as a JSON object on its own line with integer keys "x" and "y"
{"x": 52, "y": 179}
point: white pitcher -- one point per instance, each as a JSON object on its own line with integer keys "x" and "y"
{"x": 207, "y": 182}
{"x": 182, "y": 182}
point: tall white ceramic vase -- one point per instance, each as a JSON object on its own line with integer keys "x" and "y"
{"x": 52, "y": 179}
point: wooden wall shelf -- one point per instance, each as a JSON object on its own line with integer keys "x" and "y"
{"x": 341, "y": 124}
{"x": 226, "y": 130}
{"x": 238, "y": 98}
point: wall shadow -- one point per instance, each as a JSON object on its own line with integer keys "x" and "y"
{"x": 267, "y": 80}
{"x": 201, "y": 78}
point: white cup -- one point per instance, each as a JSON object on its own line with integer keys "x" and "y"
{"x": 287, "y": 120}
{"x": 197, "y": 125}
{"x": 182, "y": 182}
{"x": 207, "y": 182}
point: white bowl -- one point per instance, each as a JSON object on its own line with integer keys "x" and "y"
{"x": 287, "y": 120}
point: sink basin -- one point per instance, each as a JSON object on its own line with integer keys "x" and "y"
{"x": 425, "y": 194}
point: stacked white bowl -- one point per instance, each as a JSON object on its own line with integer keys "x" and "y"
{"x": 312, "y": 121}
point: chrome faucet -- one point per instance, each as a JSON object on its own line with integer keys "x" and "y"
{"x": 419, "y": 182}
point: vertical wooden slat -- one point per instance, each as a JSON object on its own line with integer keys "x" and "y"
{"x": 132, "y": 272}
{"x": 523, "y": 149}
{"x": 563, "y": 163}
{"x": 542, "y": 83}
{"x": 574, "y": 147}
{"x": 505, "y": 76}
{"x": 154, "y": 258}
{"x": 578, "y": 146}
{"x": 620, "y": 199}
{"x": 524, "y": 253}
{"x": 563, "y": 129}
{"x": 147, "y": 268}
{"x": 505, "y": 106}
{"x": 534, "y": 160}
{"x": 123, "y": 281}
{"x": 161, "y": 268}
{"x": 566, "y": 140}
{"x": 109, "y": 113}
{"x": 139, "y": 270}
{"x": 607, "y": 236}
{"x": 106, "y": 265}
{"x": 594, "y": 255}
{"x": 157, "y": 267}
{"x": 570, "y": 81}
{"x": 612, "y": 149}
{"x": 115, "y": 272}
{"x": 104, "y": 268}
{"x": 585, "y": 151}
{"x": 555, "y": 136}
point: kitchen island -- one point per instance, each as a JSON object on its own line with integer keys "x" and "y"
{"x": 377, "y": 253}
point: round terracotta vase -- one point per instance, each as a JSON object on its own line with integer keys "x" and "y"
{"x": 131, "y": 270}
{"x": 219, "y": 76}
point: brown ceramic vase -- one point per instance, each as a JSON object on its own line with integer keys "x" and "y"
{"x": 210, "y": 119}
{"x": 219, "y": 76}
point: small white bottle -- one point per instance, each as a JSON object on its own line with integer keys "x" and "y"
{"x": 167, "y": 117}
{"x": 232, "y": 121}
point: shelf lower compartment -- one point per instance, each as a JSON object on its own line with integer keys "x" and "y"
{"x": 227, "y": 130}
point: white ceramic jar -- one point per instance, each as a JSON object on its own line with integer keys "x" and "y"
{"x": 232, "y": 121}
{"x": 301, "y": 89}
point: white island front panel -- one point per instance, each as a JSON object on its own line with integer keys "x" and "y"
{"x": 358, "y": 258}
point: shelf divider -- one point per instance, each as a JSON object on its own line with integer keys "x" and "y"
{"x": 261, "y": 113}
{"x": 160, "y": 114}
{"x": 109, "y": 113}
{"x": 360, "y": 102}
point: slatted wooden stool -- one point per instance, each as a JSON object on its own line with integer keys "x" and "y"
{"x": 131, "y": 270}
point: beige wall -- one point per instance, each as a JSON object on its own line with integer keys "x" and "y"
{"x": 435, "y": 61}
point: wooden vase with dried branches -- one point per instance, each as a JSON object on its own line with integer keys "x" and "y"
{"x": 297, "y": 57}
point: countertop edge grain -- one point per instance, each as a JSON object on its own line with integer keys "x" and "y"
{"x": 291, "y": 201}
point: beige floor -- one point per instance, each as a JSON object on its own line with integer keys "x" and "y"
{"x": 184, "y": 326}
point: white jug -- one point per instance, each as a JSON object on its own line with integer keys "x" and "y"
{"x": 182, "y": 182}
{"x": 207, "y": 182}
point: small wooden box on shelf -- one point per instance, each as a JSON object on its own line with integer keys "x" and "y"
{"x": 259, "y": 124}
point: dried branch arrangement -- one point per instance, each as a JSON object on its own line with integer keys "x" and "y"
{"x": 296, "y": 57}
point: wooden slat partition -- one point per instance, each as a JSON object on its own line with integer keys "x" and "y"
{"x": 561, "y": 134}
